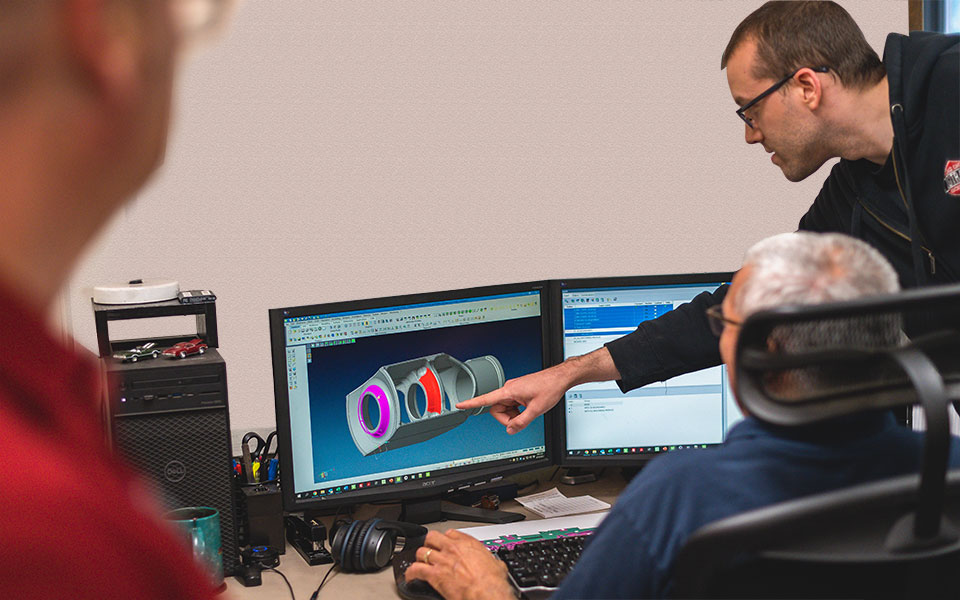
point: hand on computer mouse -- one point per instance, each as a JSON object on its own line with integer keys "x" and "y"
{"x": 461, "y": 568}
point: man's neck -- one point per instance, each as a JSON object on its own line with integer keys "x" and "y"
{"x": 862, "y": 127}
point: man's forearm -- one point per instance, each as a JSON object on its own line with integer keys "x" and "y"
{"x": 677, "y": 342}
{"x": 593, "y": 366}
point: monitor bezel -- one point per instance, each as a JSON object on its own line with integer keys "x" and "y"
{"x": 556, "y": 343}
{"x": 437, "y": 485}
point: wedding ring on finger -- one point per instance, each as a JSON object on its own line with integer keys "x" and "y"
{"x": 426, "y": 555}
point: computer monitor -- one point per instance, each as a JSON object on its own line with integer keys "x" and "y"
{"x": 366, "y": 390}
{"x": 600, "y": 425}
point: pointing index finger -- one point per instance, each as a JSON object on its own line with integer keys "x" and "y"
{"x": 495, "y": 397}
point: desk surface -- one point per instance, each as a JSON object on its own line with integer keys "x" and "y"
{"x": 304, "y": 579}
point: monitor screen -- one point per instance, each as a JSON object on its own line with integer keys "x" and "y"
{"x": 366, "y": 393}
{"x": 601, "y": 424}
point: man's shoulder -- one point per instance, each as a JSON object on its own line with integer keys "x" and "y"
{"x": 922, "y": 73}
{"x": 685, "y": 477}
{"x": 61, "y": 503}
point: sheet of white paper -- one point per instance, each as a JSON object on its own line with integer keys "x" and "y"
{"x": 553, "y": 503}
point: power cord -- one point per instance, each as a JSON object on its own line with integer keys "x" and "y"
{"x": 555, "y": 471}
{"x": 334, "y": 565}
{"x": 527, "y": 486}
{"x": 323, "y": 581}
{"x": 287, "y": 581}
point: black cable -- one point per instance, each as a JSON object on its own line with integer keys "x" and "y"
{"x": 528, "y": 485}
{"x": 287, "y": 581}
{"x": 336, "y": 514}
{"x": 349, "y": 508}
{"x": 323, "y": 581}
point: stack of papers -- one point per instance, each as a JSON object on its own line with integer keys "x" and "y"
{"x": 553, "y": 503}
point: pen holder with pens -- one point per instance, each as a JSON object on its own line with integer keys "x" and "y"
{"x": 259, "y": 465}
{"x": 258, "y": 482}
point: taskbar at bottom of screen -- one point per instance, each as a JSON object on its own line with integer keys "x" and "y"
{"x": 634, "y": 450}
{"x": 400, "y": 479}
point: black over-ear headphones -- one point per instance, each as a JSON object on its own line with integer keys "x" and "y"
{"x": 366, "y": 546}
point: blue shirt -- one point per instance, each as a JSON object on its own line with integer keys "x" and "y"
{"x": 632, "y": 552}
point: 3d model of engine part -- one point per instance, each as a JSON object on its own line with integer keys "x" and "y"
{"x": 427, "y": 389}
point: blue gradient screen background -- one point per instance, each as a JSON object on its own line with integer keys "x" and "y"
{"x": 335, "y": 371}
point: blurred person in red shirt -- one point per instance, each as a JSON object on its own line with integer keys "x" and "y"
{"x": 85, "y": 96}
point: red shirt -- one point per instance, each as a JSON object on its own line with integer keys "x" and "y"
{"x": 74, "y": 520}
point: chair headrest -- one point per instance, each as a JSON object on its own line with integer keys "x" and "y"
{"x": 797, "y": 365}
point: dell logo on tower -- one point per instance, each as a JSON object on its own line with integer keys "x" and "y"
{"x": 174, "y": 471}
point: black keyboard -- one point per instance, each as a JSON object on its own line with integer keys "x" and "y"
{"x": 542, "y": 564}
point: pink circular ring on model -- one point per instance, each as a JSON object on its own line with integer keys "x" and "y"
{"x": 382, "y": 403}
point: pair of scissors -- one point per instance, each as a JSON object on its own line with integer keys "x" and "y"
{"x": 255, "y": 462}
{"x": 248, "y": 456}
{"x": 265, "y": 455}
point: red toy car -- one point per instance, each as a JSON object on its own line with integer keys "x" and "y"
{"x": 183, "y": 349}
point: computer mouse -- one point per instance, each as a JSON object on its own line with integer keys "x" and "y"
{"x": 417, "y": 589}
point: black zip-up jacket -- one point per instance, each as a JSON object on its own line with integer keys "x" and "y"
{"x": 904, "y": 208}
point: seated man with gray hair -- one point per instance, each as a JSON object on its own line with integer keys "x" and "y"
{"x": 632, "y": 553}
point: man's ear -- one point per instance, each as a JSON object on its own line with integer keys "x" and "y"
{"x": 773, "y": 344}
{"x": 102, "y": 38}
{"x": 810, "y": 88}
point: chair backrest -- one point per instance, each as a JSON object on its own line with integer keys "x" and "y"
{"x": 892, "y": 538}
{"x": 832, "y": 545}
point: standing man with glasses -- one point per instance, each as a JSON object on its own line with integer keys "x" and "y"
{"x": 810, "y": 89}
{"x": 85, "y": 97}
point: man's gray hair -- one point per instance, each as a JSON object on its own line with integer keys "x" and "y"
{"x": 811, "y": 268}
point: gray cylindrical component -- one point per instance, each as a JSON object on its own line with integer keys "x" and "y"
{"x": 457, "y": 380}
{"x": 488, "y": 375}
{"x": 408, "y": 387}
{"x": 464, "y": 385}
{"x": 440, "y": 379}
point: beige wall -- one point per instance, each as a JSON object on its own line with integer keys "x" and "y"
{"x": 335, "y": 150}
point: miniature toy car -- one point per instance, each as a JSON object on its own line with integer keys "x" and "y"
{"x": 183, "y": 349}
{"x": 134, "y": 354}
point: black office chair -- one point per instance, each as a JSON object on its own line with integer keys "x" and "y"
{"x": 894, "y": 538}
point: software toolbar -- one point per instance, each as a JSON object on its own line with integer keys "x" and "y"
{"x": 339, "y": 328}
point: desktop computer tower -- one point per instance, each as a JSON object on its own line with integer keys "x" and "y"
{"x": 169, "y": 418}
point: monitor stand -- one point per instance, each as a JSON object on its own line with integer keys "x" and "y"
{"x": 577, "y": 475}
{"x": 434, "y": 509}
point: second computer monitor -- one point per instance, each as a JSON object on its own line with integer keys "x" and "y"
{"x": 602, "y": 425}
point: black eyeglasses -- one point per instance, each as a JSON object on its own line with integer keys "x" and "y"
{"x": 770, "y": 90}
{"x": 718, "y": 321}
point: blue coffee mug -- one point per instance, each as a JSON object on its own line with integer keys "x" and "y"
{"x": 201, "y": 524}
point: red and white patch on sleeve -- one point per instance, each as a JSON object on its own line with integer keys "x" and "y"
{"x": 951, "y": 177}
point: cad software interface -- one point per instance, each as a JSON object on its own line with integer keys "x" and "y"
{"x": 372, "y": 393}
{"x": 692, "y": 410}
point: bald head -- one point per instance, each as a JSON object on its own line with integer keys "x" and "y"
{"x": 85, "y": 95}
{"x": 24, "y": 38}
